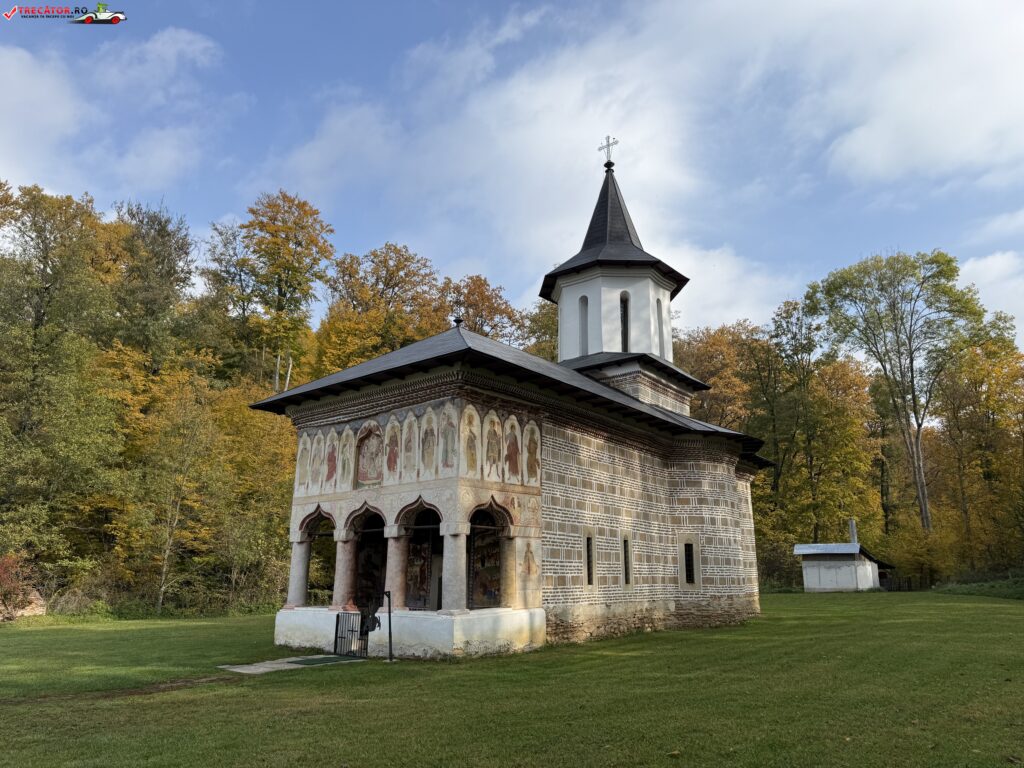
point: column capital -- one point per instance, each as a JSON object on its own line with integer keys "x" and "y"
{"x": 395, "y": 531}
{"x": 454, "y": 529}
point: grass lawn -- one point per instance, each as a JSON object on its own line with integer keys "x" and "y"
{"x": 839, "y": 680}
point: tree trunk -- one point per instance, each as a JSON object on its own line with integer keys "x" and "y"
{"x": 965, "y": 514}
{"x": 920, "y": 482}
{"x": 277, "y": 372}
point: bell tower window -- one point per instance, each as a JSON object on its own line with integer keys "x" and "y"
{"x": 584, "y": 326}
{"x": 624, "y": 319}
{"x": 661, "y": 331}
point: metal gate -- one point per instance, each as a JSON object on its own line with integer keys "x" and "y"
{"x": 349, "y": 639}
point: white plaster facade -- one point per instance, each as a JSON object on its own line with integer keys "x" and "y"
{"x": 603, "y": 289}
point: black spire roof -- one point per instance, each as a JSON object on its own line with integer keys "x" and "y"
{"x": 611, "y": 241}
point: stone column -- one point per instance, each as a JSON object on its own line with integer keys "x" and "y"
{"x": 395, "y": 573}
{"x": 345, "y": 575}
{"x": 298, "y": 576}
{"x": 453, "y": 580}
{"x": 509, "y": 588}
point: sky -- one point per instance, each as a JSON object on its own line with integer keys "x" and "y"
{"x": 762, "y": 145}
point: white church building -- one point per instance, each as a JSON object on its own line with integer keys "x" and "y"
{"x": 503, "y": 500}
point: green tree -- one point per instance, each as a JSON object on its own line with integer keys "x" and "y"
{"x": 910, "y": 317}
{"x": 288, "y": 241}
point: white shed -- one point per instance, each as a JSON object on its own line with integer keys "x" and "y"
{"x": 843, "y": 567}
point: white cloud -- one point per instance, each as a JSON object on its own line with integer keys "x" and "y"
{"x": 999, "y": 278}
{"x": 724, "y": 287}
{"x": 1003, "y": 225}
{"x": 132, "y": 128}
{"x": 42, "y": 116}
{"x": 157, "y": 157}
{"x": 480, "y": 149}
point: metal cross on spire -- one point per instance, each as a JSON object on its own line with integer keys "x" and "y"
{"x": 609, "y": 142}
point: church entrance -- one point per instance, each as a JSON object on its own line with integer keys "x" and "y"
{"x": 425, "y": 562}
{"x": 484, "y": 560}
{"x": 322, "y": 556}
{"x": 371, "y": 559}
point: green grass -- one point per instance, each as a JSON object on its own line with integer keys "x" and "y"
{"x": 839, "y": 680}
{"x": 1012, "y": 589}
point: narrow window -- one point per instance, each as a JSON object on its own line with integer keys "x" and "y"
{"x": 627, "y": 563}
{"x": 584, "y": 326}
{"x": 590, "y": 561}
{"x": 624, "y": 319}
{"x": 688, "y": 557}
{"x": 661, "y": 331}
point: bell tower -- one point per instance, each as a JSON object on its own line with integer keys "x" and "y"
{"x": 614, "y": 319}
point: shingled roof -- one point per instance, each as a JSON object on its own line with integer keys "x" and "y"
{"x": 460, "y": 345}
{"x": 611, "y": 240}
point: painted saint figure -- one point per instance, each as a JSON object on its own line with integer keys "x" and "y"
{"x": 447, "y": 441}
{"x": 332, "y": 462}
{"x": 392, "y": 450}
{"x": 493, "y": 450}
{"x": 471, "y": 457}
{"x": 369, "y": 463}
{"x": 428, "y": 443}
{"x": 532, "y": 457}
{"x": 512, "y": 454}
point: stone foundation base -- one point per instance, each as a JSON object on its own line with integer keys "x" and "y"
{"x": 579, "y": 623}
{"x": 426, "y": 634}
{"x": 421, "y": 634}
{"x": 312, "y": 627}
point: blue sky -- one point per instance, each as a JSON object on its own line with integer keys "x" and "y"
{"x": 762, "y": 144}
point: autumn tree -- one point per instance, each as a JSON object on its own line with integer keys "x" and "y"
{"x": 483, "y": 308}
{"x": 380, "y": 302}
{"x": 541, "y": 323}
{"x": 717, "y": 357}
{"x": 288, "y": 241}
{"x": 908, "y": 315}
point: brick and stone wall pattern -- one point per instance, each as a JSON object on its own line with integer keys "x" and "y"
{"x": 599, "y": 486}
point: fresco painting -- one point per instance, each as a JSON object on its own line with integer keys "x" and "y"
{"x": 492, "y": 448}
{"x": 370, "y": 450}
{"x": 392, "y": 451}
{"x": 470, "y": 458}
{"x": 513, "y": 451}
{"x": 316, "y": 464}
{"x": 531, "y": 435}
{"x": 302, "y": 466}
{"x": 448, "y": 442}
{"x": 409, "y": 445}
{"x": 344, "y": 482}
{"x": 331, "y": 468}
{"x": 428, "y": 446}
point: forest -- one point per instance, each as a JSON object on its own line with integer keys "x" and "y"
{"x": 135, "y": 480}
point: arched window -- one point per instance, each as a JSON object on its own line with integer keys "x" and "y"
{"x": 661, "y": 331}
{"x": 624, "y": 319}
{"x": 584, "y": 326}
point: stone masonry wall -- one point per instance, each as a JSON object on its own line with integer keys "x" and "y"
{"x": 608, "y": 489}
{"x": 652, "y": 389}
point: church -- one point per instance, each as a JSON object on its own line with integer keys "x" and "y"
{"x": 503, "y": 501}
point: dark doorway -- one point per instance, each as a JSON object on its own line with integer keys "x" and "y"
{"x": 323, "y": 552}
{"x": 425, "y": 562}
{"x": 371, "y": 560}
{"x": 484, "y": 560}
